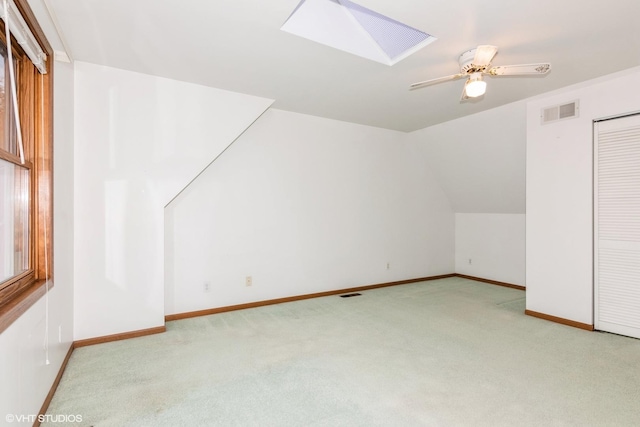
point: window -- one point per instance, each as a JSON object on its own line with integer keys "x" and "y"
{"x": 25, "y": 186}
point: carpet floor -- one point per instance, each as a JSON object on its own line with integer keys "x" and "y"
{"x": 450, "y": 352}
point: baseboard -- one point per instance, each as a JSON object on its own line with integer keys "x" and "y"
{"x": 118, "y": 337}
{"x": 493, "y": 282}
{"x": 54, "y": 386}
{"x": 209, "y": 311}
{"x": 561, "y": 320}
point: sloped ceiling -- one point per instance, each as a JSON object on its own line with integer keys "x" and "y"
{"x": 237, "y": 45}
{"x": 480, "y": 159}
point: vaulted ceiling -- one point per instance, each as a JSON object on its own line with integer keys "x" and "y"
{"x": 237, "y": 45}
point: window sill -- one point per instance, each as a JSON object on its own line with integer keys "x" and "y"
{"x": 20, "y": 303}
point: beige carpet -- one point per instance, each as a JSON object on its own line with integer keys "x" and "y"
{"x": 451, "y": 352}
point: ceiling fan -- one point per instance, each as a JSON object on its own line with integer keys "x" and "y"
{"x": 476, "y": 63}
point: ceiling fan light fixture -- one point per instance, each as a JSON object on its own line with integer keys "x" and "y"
{"x": 475, "y": 86}
{"x": 476, "y": 63}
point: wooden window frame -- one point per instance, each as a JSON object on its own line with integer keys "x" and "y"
{"x": 22, "y": 291}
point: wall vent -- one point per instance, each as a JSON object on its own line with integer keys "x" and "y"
{"x": 560, "y": 112}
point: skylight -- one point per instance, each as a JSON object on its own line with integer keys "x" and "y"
{"x": 345, "y": 25}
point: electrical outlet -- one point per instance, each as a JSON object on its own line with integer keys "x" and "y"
{"x": 469, "y": 261}
{"x": 388, "y": 266}
{"x": 249, "y": 281}
{"x": 206, "y": 287}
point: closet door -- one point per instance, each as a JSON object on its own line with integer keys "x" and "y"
{"x": 617, "y": 226}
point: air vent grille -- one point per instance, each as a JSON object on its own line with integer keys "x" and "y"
{"x": 569, "y": 110}
{"x": 355, "y": 294}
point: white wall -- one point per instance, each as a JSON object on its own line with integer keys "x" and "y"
{"x": 24, "y": 377}
{"x": 495, "y": 244}
{"x": 305, "y": 204}
{"x": 560, "y": 193}
{"x": 139, "y": 140}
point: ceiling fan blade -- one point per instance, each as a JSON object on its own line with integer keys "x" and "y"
{"x": 426, "y": 83}
{"x": 484, "y": 55}
{"x": 520, "y": 70}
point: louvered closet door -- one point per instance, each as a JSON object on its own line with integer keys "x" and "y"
{"x": 617, "y": 226}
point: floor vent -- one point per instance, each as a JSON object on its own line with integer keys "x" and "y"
{"x": 350, "y": 295}
{"x": 560, "y": 112}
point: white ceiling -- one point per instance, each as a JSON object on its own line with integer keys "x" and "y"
{"x": 237, "y": 45}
